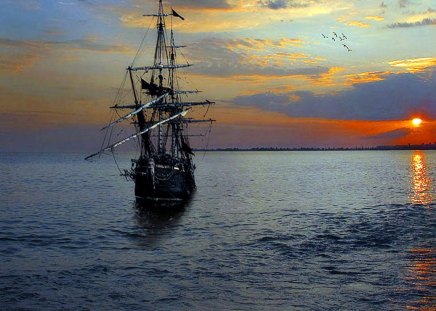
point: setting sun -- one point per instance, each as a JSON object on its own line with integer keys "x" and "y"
{"x": 416, "y": 122}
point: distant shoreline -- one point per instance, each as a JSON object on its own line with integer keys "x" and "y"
{"x": 377, "y": 148}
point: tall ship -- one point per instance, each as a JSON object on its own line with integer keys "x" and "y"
{"x": 159, "y": 111}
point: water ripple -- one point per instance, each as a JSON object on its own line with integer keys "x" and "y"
{"x": 265, "y": 231}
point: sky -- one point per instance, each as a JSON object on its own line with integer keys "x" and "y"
{"x": 277, "y": 76}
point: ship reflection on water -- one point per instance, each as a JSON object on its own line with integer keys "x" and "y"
{"x": 156, "y": 221}
{"x": 422, "y": 190}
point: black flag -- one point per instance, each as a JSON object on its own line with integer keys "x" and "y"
{"x": 145, "y": 85}
{"x": 177, "y": 15}
{"x": 185, "y": 147}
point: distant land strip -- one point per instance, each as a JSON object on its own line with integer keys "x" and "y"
{"x": 430, "y": 146}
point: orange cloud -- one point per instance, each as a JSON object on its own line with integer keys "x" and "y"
{"x": 426, "y": 133}
{"x": 17, "y": 63}
{"x": 328, "y": 78}
{"x": 366, "y": 77}
{"x": 43, "y": 111}
{"x": 414, "y": 64}
{"x": 285, "y": 131}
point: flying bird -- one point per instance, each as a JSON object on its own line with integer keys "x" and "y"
{"x": 344, "y": 36}
{"x": 349, "y": 50}
{"x": 324, "y": 36}
{"x": 335, "y": 34}
{"x": 333, "y": 39}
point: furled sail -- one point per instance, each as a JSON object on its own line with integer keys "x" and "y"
{"x": 141, "y": 107}
{"x": 147, "y": 68}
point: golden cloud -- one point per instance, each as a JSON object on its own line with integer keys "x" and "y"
{"x": 326, "y": 79}
{"x": 207, "y": 21}
{"x": 353, "y": 23}
{"x": 357, "y": 24}
{"x": 375, "y": 18}
{"x": 414, "y": 64}
{"x": 366, "y": 77}
{"x": 262, "y": 44}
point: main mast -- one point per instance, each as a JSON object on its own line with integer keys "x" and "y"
{"x": 159, "y": 55}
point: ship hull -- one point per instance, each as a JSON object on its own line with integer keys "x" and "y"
{"x": 164, "y": 184}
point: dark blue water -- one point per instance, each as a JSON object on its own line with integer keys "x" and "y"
{"x": 265, "y": 231}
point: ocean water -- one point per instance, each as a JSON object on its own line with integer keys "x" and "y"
{"x": 264, "y": 231}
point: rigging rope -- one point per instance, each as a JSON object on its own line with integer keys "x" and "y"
{"x": 116, "y": 163}
{"x": 142, "y": 42}
{"x": 115, "y": 101}
{"x": 208, "y": 140}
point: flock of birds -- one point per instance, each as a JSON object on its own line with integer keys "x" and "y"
{"x": 337, "y": 38}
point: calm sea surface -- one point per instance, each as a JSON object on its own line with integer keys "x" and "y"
{"x": 265, "y": 231}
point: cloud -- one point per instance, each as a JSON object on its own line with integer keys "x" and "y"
{"x": 326, "y": 78}
{"x": 17, "y": 62}
{"x": 19, "y": 54}
{"x": 403, "y": 3}
{"x": 414, "y": 64}
{"x": 354, "y": 23}
{"x": 427, "y": 12}
{"x": 195, "y": 4}
{"x": 238, "y": 15}
{"x": 283, "y": 4}
{"x": 87, "y": 44}
{"x": 29, "y": 5}
{"x": 367, "y": 77}
{"x": 376, "y": 18}
{"x": 206, "y": 21}
{"x": 262, "y": 44}
{"x": 424, "y": 22}
{"x": 357, "y": 24}
{"x": 391, "y": 135}
{"x": 395, "y": 98}
{"x": 220, "y": 57}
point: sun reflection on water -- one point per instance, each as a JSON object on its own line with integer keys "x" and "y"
{"x": 422, "y": 276}
{"x": 422, "y": 191}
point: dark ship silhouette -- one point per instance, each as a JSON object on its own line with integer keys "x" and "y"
{"x": 164, "y": 170}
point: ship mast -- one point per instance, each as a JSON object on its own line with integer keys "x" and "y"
{"x": 145, "y": 146}
{"x": 175, "y": 127}
{"x": 159, "y": 55}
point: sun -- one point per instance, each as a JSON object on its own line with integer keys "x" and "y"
{"x": 416, "y": 122}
